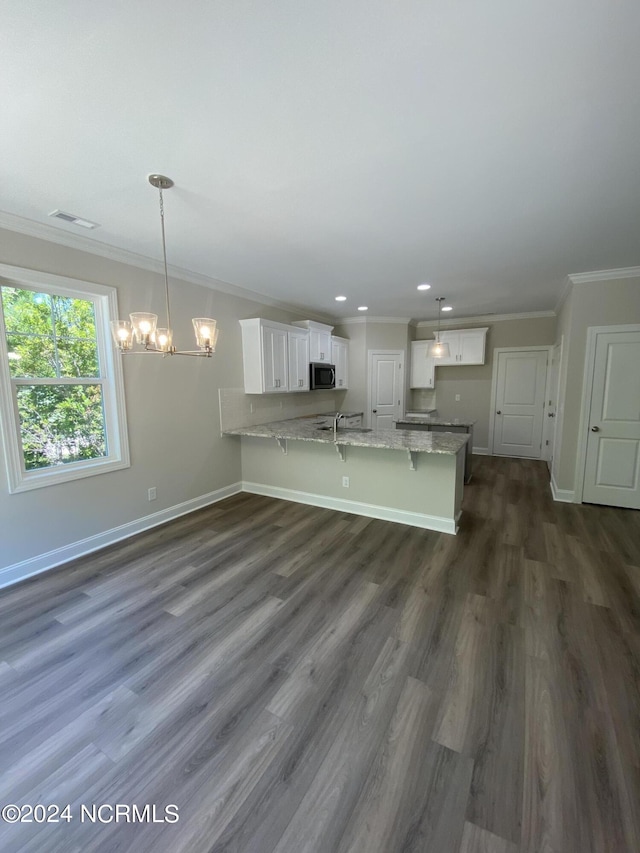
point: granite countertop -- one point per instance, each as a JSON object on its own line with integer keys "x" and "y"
{"x": 305, "y": 429}
{"x": 333, "y": 414}
{"x": 436, "y": 421}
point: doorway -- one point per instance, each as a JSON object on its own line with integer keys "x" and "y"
{"x": 610, "y": 435}
{"x": 518, "y": 401}
{"x": 385, "y": 395}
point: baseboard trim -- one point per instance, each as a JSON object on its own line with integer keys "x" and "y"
{"x": 561, "y": 495}
{"x": 401, "y": 516}
{"x": 480, "y": 451}
{"x": 43, "y": 562}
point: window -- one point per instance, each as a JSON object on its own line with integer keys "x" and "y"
{"x": 61, "y": 390}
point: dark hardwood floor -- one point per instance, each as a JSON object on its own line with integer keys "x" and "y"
{"x": 295, "y": 679}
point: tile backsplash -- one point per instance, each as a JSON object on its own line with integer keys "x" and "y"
{"x": 238, "y": 409}
{"x": 422, "y": 398}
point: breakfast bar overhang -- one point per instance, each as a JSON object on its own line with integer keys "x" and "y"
{"x": 408, "y": 477}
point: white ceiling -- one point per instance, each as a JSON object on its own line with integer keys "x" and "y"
{"x": 351, "y": 147}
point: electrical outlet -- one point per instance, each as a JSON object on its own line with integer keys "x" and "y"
{"x": 345, "y": 482}
{"x": 457, "y": 398}
{"x": 153, "y": 493}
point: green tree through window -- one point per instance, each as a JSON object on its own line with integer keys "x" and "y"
{"x": 54, "y": 366}
{"x": 62, "y": 403}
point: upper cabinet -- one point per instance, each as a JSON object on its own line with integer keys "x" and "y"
{"x": 340, "y": 357}
{"x": 298, "y": 342}
{"x": 422, "y": 366}
{"x": 265, "y": 356}
{"x": 319, "y": 339}
{"x": 467, "y": 346}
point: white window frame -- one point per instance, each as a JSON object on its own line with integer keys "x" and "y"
{"x": 105, "y": 301}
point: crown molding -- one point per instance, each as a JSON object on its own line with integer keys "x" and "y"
{"x": 52, "y": 234}
{"x": 485, "y": 318}
{"x": 353, "y": 321}
{"x": 604, "y": 275}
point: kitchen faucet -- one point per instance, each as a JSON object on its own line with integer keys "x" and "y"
{"x": 338, "y": 417}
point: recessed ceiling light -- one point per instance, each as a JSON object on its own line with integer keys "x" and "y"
{"x": 363, "y": 307}
{"x": 447, "y": 308}
{"x": 341, "y": 298}
{"x": 424, "y": 287}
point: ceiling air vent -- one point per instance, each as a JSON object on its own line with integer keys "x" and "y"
{"x": 74, "y": 220}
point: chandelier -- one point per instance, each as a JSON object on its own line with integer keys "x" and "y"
{"x": 144, "y": 327}
{"x": 438, "y": 348}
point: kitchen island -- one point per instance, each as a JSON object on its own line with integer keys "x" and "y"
{"x": 415, "y": 478}
{"x": 428, "y": 422}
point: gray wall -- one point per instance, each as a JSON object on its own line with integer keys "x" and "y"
{"x": 597, "y": 303}
{"x": 473, "y": 383}
{"x": 364, "y": 336}
{"x": 172, "y": 410}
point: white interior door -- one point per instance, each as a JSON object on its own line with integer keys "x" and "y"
{"x": 612, "y": 466}
{"x": 386, "y": 388}
{"x": 519, "y": 400}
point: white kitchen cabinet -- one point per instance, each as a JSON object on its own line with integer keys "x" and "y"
{"x": 265, "y": 359}
{"x": 298, "y": 343}
{"x": 319, "y": 339}
{"x": 320, "y": 345}
{"x": 467, "y": 346}
{"x": 422, "y": 366}
{"x": 340, "y": 357}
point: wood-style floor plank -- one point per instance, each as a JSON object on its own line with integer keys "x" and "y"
{"x": 296, "y": 679}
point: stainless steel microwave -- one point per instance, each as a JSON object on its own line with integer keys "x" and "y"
{"x": 322, "y": 376}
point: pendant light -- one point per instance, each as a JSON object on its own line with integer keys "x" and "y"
{"x": 143, "y": 327}
{"x": 438, "y": 348}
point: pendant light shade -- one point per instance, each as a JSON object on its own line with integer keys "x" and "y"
{"x": 164, "y": 340}
{"x": 122, "y": 332}
{"x": 436, "y": 347}
{"x": 206, "y": 332}
{"x": 144, "y": 326}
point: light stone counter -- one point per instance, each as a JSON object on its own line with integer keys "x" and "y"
{"x": 306, "y": 429}
{"x": 429, "y": 423}
{"x": 431, "y": 420}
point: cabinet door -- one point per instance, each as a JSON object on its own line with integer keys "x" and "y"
{"x": 298, "y": 361}
{"x": 274, "y": 360}
{"x": 471, "y": 348}
{"x": 320, "y": 345}
{"x": 466, "y": 345}
{"x": 453, "y": 339}
{"x": 422, "y": 367}
{"x": 340, "y": 357}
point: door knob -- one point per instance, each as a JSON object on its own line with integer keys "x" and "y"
{"x": 375, "y": 411}
{"x": 595, "y": 429}
{"x": 552, "y": 414}
{"x": 498, "y": 412}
